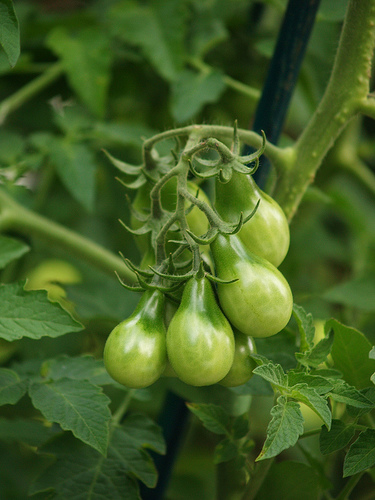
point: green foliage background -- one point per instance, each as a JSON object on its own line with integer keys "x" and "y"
{"x": 103, "y": 75}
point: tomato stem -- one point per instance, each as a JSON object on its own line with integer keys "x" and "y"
{"x": 345, "y": 96}
{"x": 14, "y": 216}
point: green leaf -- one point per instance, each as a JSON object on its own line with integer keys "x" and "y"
{"x": 191, "y": 91}
{"x": 12, "y": 148}
{"x": 344, "y": 393}
{"x": 306, "y": 327}
{"x": 226, "y": 450}
{"x": 336, "y": 438}
{"x": 283, "y": 430}
{"x": 76, "y": 167}
{"x": 318, "y": 353}
{"x": 358, "y": 293}
{"x": 26, "y": 430}
{"x": 9, "y": 31}
{"x": 290, "y": 480}
{"x": 87, "y": 58}
{"x": 79, "y": 472}
{"x": 12, "y": 388}
{"x": 79, "y": 368}
{"x": 256, "y": 386}
{"x": 206, "y": 32}
{"x": 11, "y": 249}
{"x": 144, "y": 432}
{"x": 30, "y": 314}
{"x": 311, "y": 398}
{"x": 369, "y": 394}
{"x": 240, "y": 426}
{"x": 273, "y": 374}
{"x": 212, "y": 416}
{"x": 77, "y": 406}
{"x": 350, "y": 353}
{"x": 320, "y": 384}
{"x": 159, "y": 30}
{"x": 361, "y": 454}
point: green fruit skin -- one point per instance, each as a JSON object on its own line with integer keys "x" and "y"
{"x": 242, "y": 367}
{"x": 267, "y": 233}
{"x": 260, "y": 302}
{"x": 135, "y": 353}
{"x": 200, "y": 341}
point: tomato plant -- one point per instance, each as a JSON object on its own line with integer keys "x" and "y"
{"x": 187, "y": 304}
{"x": 260, "y": 302}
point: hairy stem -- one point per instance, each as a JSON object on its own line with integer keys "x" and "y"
{"x": 345, "y": 94}
{"x": 29, "y": 90}
{"x": 281, "y": 158}
{"x": 123, "y": 407}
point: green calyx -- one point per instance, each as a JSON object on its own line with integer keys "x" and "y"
{"x": 171, "y": 215}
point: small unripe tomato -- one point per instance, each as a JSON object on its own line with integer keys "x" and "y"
{"x": 260, "y": 302}
{"x": 242, "y": 367}
{"x": 135, "y": 353}
{"x": 266, "y": 234}
{"x": 200, "y": 342}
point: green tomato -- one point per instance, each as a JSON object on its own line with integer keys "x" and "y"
{"x": 242, "y": 368}
{"x": 200, "y": 342}
{"x": 135, "y": 353}
{"x": 267, "y": 233}
{"x": 260, "y": 302}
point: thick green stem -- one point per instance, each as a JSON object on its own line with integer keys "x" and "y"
{"x": 123, "y": 407}
{"x": 345, "y": 94}
{"x": 257, "y": 479}
{"x": 367, "y": 106}
{"x": 281, "y": 158}
{"x": 349, "y": 486}
{"x": 28, "y": 91}
{"x": 15, "y": 217}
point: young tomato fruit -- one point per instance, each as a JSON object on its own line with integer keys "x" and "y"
{"x": 267, "y": 233}
{"x": 200, "y": 342}
{"x": 135, "y": 352}
{"x": 260, "y": 302}
{"x": 242, "y": 367}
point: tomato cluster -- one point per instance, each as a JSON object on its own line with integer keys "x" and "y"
{"x": 239, "y": 295}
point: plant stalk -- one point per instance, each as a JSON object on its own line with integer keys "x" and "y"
{"x": 29, "y": 90}
{"x": 346, "y": 92}
{"x": 15, "y": 217}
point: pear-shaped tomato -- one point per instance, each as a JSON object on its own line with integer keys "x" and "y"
{"x": 135, "y": 353}
{"x": 267, "y": 233}
{"x": 242, "y": 367}
{"x": 200, "y": 342}
{"x": 260, "y": 302}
